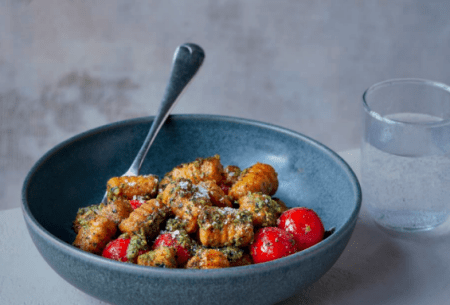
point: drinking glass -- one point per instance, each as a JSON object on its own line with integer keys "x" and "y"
{"x": 405, "y": 154}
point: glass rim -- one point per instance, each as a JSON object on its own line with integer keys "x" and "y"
{"x": 393, "y": 81}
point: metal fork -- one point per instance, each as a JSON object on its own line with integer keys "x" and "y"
{"x": 187, "y": 60}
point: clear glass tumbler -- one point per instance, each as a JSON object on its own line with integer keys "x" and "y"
{"x": 405, "y": 153}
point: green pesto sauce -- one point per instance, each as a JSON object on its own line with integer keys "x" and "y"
{"x": 148, "y": 256}
{"x": 174, "y": 224}
{"x": 265, "y": 203}
{"x": 233, "y": 254}
{"x": 215, "y": 217}
{"x": 137, "y": 242}
{"x": 86, "y": 214}
{"x": 96, "y": 208}
{"x": 184, "y": 239}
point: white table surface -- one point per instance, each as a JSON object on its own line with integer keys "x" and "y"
{"x": 375, "y": 268}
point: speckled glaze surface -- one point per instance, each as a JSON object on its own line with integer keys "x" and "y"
{"x": 74, "y": 174}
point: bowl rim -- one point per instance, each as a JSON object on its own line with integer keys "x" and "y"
{"x": 33, "y": 224}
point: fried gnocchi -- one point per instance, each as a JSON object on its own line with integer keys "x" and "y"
{"x": 259, "y": 178}
{"x": 117, "y": 210}
{"x": 146, "y": 219}
{"x": 221, "y": 227}
{"x": 206, "y": 211}
{"x": 202, "y": 169}
{"x": 264, "y": 210}
{"x": 84, "y": 215}
{"x": 208, "y": 259}
{"x": 162, "y": 257}
{"x": 94, "y": 234}
{"x": 132, "y": 187}
{"x": 186, "y": 200}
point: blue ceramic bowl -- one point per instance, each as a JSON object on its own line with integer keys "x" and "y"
{"x": 74, "y": 175}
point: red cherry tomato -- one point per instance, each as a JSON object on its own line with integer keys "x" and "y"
{"x": 304, "y": 224}
{"x": 117, "y": 249}
{"x": 271, "y": 243}
{"x": 136, "y": 203}
{"x": 167, "y": 240}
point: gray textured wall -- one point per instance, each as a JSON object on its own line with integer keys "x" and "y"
{"x": 68, "y": 66}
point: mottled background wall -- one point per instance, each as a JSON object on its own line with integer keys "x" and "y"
{"x": 68, "y": 66}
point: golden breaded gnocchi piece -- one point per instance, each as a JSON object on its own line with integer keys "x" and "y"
{"x": 186, "y": 200}
{"x": 236, "y": 256}
{"x": 132, "y": 187}
{"x": 184, "y": 188}
{"x": 221, "y": 227}
{"x": 164, "y": 257}
{"x": 117, "y": 210}
{"x": 208, "y": 259}
{"x": 84, "y": 215}
{"x": 189, "y": 212}
{"x": 202, "y": 169}
{"x": 95, "y": 234}
{"x": 231, "y": 174}
{"x": 264, "y": 210}
{"x": 258, "y": 178}
{"x": 216, "y": 194}
{"x": 146, "y": 219}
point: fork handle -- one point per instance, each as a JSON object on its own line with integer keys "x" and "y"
{"x": 187, "y": 60}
